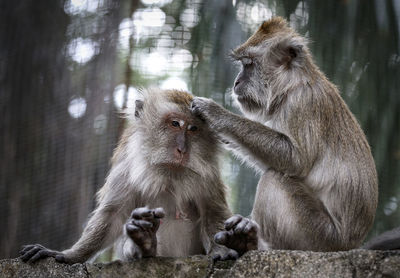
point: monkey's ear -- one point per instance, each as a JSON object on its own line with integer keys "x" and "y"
{"x": 138, "y": 108}
{"x": 294, "y": 51}
{"x": 289, "y": 52}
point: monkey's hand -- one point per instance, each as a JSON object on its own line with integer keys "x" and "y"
{"x": 34, "y": 252}
{"x": 209, "y": 111}
{"x": 222, "y": 253}
{"x": 241, "y": 234}
{"x": 142, "y": 227}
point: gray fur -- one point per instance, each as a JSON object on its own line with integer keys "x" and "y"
{"x": 318, "y": 190}
{"x": 138, "y": 178}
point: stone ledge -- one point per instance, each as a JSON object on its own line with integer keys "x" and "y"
{"x": 355, "y": 263}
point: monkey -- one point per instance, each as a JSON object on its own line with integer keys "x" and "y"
{"x": 165, "y": 169}
{"x": 318, "y": 187}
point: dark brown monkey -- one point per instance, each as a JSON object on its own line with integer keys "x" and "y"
{"x": 167, "y": 159}
{"x": 318, "y": 188}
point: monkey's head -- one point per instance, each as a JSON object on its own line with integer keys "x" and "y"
{"x": 270, "y": 61}
{"x": 172, "y": 138}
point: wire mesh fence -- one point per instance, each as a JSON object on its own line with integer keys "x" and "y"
{"x": 67, "y": 69}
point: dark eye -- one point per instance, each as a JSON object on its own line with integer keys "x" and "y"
{"x": 175, "y": 123}
{"x": 192, "y": 128}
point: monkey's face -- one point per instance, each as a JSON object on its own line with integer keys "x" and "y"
{"x": 270, "y": 61}
{"x": 248, "y": 88}
{"x": 179, "y": 131}
{"x": 173, "y": 139}
{"x": 183, "y": 142}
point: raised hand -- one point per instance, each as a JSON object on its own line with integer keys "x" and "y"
{"x": 142, "y": 227}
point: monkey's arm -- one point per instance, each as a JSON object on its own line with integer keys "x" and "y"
{"x": 104, "y": 226}
{"x": 116, "y": 199}
{"x": 269, "y": 146}
{"x": 102, "y": 229}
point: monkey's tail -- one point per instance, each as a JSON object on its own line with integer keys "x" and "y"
{"x": 389, "y": 240}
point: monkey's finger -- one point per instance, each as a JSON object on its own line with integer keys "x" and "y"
{"x": 139, "y": 213}
{"x": 40, "y": 255}
{"x": 155, "y": 215}
{"x": 25, "y": 257}
{"x": 221, "y": 237}
{"x": 156, "y": 224}
{"x": 251, "y": 228}
{"x": 239, "y": 228}
{"x": 143, "y": 224}
{"x": 159, "y": 213}
{"x": 132, "y": 229}
{"x": 232, "y": 221}
{"x": 26, "y": 248}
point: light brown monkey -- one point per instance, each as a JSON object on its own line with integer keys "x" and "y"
{"x": 168, "y": 159}
{"x": 318, "y": 187}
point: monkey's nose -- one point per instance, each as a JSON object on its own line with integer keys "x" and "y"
{"x": 236, "y": 83}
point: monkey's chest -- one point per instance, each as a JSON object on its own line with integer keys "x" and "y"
{"x": 179, "y": 232}
{"x": 178, "y": 238}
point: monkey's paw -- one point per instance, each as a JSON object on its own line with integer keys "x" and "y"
{"x": 222, "y": 253}
{"x": 207, "y": 110}
{"x": 32, "y": 253}
{"x": 142, "y": 227}
{"x": 241, "y": 234}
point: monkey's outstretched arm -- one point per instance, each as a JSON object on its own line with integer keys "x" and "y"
{"x": 102, "y": 229}
{"x": 269, "y": 146}
{"x": 104, "y": 226}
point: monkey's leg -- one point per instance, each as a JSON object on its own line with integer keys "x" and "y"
{"x": 142, "y": 227}
{"x": 290, "y": 216}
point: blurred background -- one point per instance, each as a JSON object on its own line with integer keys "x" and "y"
{"x": 68, "y": 67}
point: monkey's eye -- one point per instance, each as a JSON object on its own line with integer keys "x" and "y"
{"x": 192, "y": 128}
{"x": 175, "y": 124}
{"x": 247, "y": 61}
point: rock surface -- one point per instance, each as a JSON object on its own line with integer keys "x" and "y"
{"x": 355, "y": 263}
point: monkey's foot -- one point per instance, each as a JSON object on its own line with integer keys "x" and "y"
{"x": 142, "y": 227}
{"x": 241, "y": 234}
{"x": 34, "y": 252}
